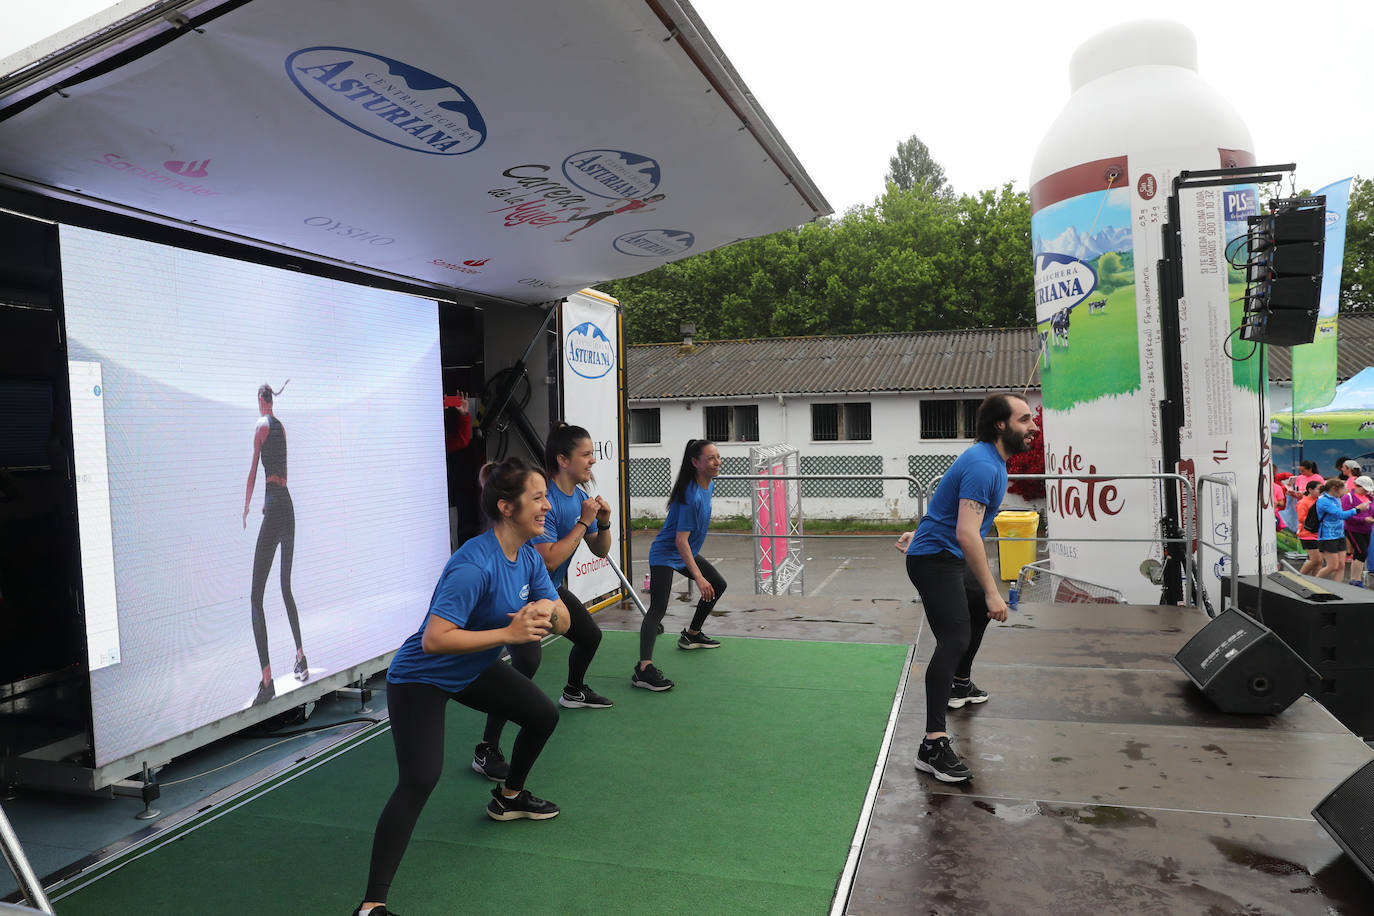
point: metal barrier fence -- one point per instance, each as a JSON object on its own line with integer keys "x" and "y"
{"x": 1190, "y": 492}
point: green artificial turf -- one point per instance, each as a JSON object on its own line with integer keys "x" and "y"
{"x": 736, "y": 792}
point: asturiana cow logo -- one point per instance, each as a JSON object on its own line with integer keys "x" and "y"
{"x": 613, "y": 174}
{"x": 589, "y": 351}
{"x": 389, "y": 100}
{"x": 1061, "y": 281}
{"x": 655, "y": 243}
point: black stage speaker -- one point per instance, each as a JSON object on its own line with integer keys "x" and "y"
{"x": 1348, "y": 815}
{"x": 1331, "y": 626}
{"x": 1242, "y": 667}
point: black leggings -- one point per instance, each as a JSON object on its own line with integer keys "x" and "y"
{"x": 958, "y": 614}
{"x": 417, "y": 729}
{"x": 585, "y": 637}
{"x": 278, "y": 527}
{"x": 660, "y": 587}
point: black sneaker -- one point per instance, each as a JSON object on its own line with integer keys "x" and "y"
{"x": 960, "y": 694}
{"x": 501, "y": 808}
{"x": 375, "y": 911}
{"x": 266, "y": 691}
{"x": 650, "y": 679}
{"x": 697, "y": 641}
{"x": 583, "y": 697}
{"x": 302, "y": 669}
{"x": 488, "y": 761}
{"x": 939, "y": 760}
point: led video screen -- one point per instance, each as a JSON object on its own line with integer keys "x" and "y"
{"x": 217, "y": 529}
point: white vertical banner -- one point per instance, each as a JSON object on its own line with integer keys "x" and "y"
{"x": 1223, "y": 436}
{"x": 589, "y": 348}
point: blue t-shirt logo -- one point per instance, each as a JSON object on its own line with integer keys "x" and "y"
{"x": 524, "y": 592}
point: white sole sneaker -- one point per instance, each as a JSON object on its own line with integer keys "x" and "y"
{"x": 581, "y": 704}
{"x": 960, "y": 702}
{"x": 943, "y": 777}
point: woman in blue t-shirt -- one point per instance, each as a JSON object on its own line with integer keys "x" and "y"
{"x": 1331, "y": 518}
{"x": 573, "y": 518}
{"x": 677, "y": 548}
{"x": 494, "y": 592}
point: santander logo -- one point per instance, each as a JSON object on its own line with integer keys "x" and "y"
{"x": 471, "y": 266}
{"x": 195, "y": 168}
{"x": 173, "y": 179}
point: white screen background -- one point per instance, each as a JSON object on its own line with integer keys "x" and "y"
{"x": 183, "y": 340}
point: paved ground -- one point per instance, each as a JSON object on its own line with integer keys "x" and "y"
{"x": 858, "y": 566}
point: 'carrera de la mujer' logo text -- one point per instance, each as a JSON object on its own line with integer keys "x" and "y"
{"x": 389, "y": 100}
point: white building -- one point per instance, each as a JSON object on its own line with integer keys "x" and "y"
{"x": 897, "y": 404}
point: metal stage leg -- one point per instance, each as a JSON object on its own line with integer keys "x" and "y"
{"x": 29, "y": 884}
{"x": 146, "y": 789}
{"x": 359, "y": 690}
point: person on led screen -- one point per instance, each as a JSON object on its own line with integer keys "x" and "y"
{"x": 278, "y": 530}
{"x": 494, "y": 592}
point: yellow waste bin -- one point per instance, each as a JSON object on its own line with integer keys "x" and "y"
{"x": 1012, "y": 555}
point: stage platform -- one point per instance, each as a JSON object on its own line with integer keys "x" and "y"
{"x": 1104, "y": 782}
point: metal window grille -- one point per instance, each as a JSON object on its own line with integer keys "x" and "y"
{"x": 746, "y": 424}
{"x": 939, "y": 419}
{"x": 825, "y": 422}
{"x": 732, "y": 423}
{"x": 949, "y": 419}
{"x": 717, "y": 423}
{"x": 644, "y": 426}
{"x": 970, "y": 428}
{"x": 858, "y": 421}
{"x": 837, "y": 422}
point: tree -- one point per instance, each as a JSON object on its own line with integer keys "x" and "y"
{"x": 913, "y": 167}
{"x": 911, "y": 261}
{"x": 1108, "y": 266}
{"x": 1357, "y": 270}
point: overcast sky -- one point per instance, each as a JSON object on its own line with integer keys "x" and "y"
{"x": 979, "y": 82}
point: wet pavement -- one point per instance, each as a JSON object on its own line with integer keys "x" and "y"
{"x": 1104, "y": 782}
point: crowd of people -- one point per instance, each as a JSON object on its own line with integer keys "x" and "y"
{"x": 1333, "y": 518}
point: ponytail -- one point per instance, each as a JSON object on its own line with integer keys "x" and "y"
{"x": 562, "y": 439}
{"x": 687, "y": 472}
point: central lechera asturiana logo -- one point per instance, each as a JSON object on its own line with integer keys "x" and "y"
{"x": 589, "y": 351}
{"x": 389, "y": 100}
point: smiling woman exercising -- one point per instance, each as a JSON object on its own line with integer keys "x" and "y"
{"x": 493, "y": 592}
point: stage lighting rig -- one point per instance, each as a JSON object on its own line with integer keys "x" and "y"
{"x": 1284, "y": 272}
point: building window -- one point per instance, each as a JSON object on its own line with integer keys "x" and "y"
{"x": 837, "y": 422}
{"x": 732, "y": 424}
{"x": 644, "y": 429}
{"x": 949, "y": 419}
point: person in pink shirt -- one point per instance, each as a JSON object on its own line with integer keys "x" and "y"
{"x": 1358, "y": 527}
{"x": 1297, "y": 485}
{"x": 1280, "y": 499}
